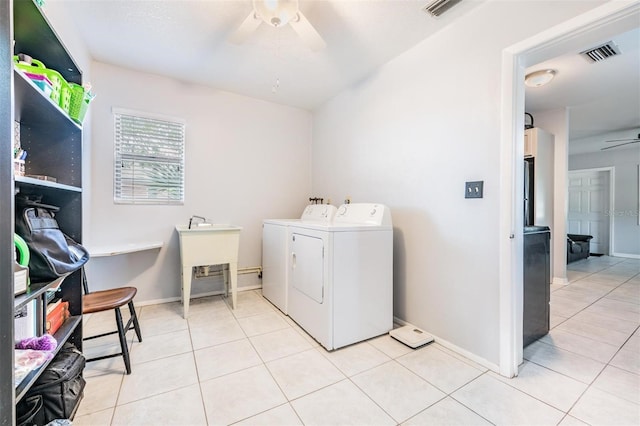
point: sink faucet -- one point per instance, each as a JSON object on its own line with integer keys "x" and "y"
{"x": 198, "y": 217}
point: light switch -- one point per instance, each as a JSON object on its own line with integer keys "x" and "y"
{"x": 473, "y": 189}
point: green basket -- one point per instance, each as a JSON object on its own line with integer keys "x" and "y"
{"x": 65, "y": 96}
{"x": 79, "y": 102}
{"x": 58, "y": 94}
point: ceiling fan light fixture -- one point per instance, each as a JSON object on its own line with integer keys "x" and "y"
{"x": 539, "y": 78}
{"x": 276, "y": 12}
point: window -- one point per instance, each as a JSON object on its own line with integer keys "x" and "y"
{"x": 149, "y": 159}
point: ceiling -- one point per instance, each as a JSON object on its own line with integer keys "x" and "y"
{"x": 189, "y": 40}
{"x": 603, "y": 97}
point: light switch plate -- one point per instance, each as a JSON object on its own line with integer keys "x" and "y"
{"x": 473, "y": 189}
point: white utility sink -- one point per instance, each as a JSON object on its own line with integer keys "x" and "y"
{"x": 215, "y": 244}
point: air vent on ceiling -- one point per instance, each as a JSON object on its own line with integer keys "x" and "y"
{"x": 438, "y": 7}
{"x": 602, "y": 52}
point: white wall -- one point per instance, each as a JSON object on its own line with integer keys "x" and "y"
{"x": 409, "y": 136}
{"x": 246, "y": 160}
{"x": 625, "y": 160}
{"x": 556, "y": 122}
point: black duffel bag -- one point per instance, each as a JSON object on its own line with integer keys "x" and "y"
{"x": 52, "y": 253}
{"x": 60, "y": 385}
{"x": 29, "y": 411}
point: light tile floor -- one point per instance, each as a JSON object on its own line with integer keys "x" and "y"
{"x": 255, "y": 366}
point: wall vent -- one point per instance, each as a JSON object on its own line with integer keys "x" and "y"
{"x": 438, "y": 7}
{"x": 602, "y": 52}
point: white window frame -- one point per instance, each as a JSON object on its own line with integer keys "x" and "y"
{"x": 140, "y": 192}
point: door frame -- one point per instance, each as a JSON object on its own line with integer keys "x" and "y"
{"x": 612, "y": 175}
{"x": 590, "y": 27}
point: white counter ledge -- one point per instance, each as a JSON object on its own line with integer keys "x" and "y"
{"x": 115, "y": 250}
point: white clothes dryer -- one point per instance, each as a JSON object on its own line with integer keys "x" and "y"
{"x": 340, "y": 275}
{"x": 275, "y": 250}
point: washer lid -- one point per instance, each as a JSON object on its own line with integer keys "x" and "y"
{"x": 363, "y": 214}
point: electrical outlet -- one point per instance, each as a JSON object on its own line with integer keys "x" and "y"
{"x": 473, "y": 189}
{"x": 347, "y": 199}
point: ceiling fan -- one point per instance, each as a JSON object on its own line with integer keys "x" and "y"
{"x": 279, "y": 13}
{"x": 624, "y": 142}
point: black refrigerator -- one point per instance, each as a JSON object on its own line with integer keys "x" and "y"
{"x": 537, "y": 283}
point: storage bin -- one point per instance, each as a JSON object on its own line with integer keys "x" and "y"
{"x": 42, "y": 82}
{"x": 57, "y": 81}
{"x": 18, "y": 168}
{"x": 79, "y": 103}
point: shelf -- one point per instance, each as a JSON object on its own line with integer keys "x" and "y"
{"x": 62, "y": 335}
{"x": 123, "y": 249}
{"x": 36, "y": 290}
{"x": 32, "y": 106}
{"x": 24, "y": 180}
{"x": 34, "y": 35}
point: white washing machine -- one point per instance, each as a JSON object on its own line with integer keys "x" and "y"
{"x": 275, "y": 250}
{"x": 341, "y": 275}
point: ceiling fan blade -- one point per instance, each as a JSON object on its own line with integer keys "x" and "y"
{"x": 625, "y": 140}
{"x": 307, "y": 33}
{"x": 244, "y": 31}
{"x": 622, "y": 144}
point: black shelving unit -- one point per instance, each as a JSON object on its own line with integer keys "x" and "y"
{"x": 54, "y": 145}
{"x": 7, "y": 391}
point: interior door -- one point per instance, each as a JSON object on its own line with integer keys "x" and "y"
{"x": 307, "y": 260}
{"x": 588, "y": 205}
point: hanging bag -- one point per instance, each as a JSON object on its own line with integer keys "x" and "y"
{"x": 53, "y": 254}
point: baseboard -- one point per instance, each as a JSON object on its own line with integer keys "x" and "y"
{"x": 560, "y": 281}
{"x": 626, "y": 255}
{"x": 195, "y": 296}
{"x": 457, "y": 349}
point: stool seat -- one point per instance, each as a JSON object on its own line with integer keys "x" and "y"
{"x": 105, "y": 300}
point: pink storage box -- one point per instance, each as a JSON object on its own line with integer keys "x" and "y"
{"x": 42, "y": 82}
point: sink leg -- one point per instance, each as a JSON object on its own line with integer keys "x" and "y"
{"x": 233, "y": 271}
{"x": 187, "y": 272}
{"x": 225, "y": 276}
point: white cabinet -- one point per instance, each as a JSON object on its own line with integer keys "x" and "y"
{"x": 539, "y": 145}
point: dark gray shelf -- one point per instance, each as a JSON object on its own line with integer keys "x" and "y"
{"x": 36, "y": 290}
{"x": 44, "y": 185}
{"x": 54, "y": 145}
{"x": 35, "y": 36}
{"x": 62, "y": 335}
{"x": 33, "y": 107}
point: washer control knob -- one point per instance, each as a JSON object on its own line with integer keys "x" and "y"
{"x": 342, "y": 210}
{"x": 373, "y": 212}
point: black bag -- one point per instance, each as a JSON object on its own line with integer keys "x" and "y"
{"x": 53, "y": 254}
{"x": 60, "y": 385}
{"x": 29, "y": 411}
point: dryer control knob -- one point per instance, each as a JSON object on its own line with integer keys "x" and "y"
{"x": 342, "y": 210}
{"x": 373, "y": 212}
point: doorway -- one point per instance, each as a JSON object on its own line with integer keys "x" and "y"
{"x": 606, "y": 20}
{"x": 589, "y": 207}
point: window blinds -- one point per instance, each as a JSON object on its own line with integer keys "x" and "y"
{"x": 149, "y": 160}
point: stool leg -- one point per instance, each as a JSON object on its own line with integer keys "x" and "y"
{"x": 123, "y": 340}
{"x": 136, "y": 326}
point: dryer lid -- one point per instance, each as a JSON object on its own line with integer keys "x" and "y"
{"x": 319, "y": 213}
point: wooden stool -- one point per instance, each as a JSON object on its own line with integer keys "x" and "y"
{"x": 105, "y": 300}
